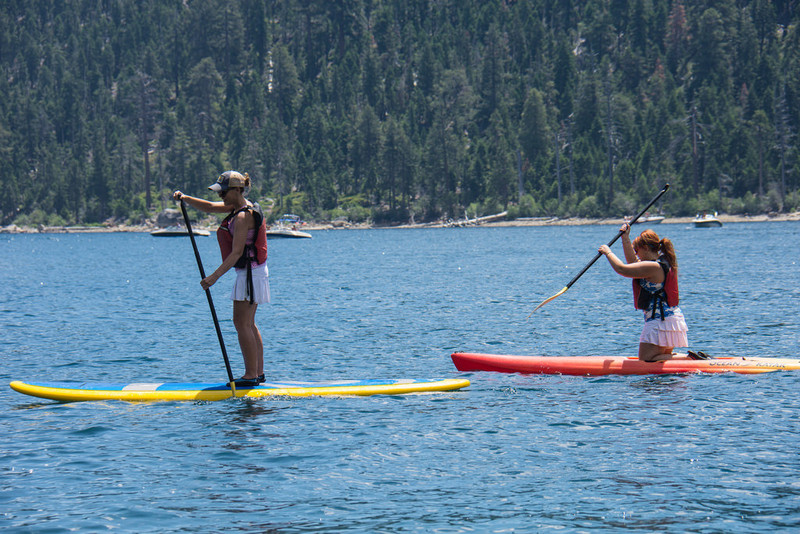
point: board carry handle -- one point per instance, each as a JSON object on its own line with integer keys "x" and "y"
{"x": 208, "y": 295}
{"x": 597, "y": 256}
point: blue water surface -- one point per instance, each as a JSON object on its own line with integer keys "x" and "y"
{"x": 700, "y": 453}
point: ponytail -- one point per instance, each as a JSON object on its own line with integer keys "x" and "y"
{"x": 666, "y": 248}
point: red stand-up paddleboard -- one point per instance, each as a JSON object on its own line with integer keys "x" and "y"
{"x": 616, "y": 365}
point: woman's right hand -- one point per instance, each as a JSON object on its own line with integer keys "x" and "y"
{"x": 177, "y": 196}
{"x": 625, "y": 229}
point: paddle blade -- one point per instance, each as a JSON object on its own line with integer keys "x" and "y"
{"x": 548, "y": 300}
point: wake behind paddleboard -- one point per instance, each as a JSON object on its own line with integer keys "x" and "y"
{"x": 615, "y": 365}
{"x": 140, "y": 392}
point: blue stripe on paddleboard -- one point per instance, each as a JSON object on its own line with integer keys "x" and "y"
{"x": 188, "y": 386}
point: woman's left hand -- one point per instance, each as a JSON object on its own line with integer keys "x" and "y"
{"x": 604, "y": 250}
{"x": 208, "y": 281}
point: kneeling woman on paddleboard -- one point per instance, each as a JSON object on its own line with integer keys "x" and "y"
{"x": 242, "y": 237}
{"x": 652, "y": 264}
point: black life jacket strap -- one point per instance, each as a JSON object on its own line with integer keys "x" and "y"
{"x": 250, "y": 288}
{"x": 660, "y": 297}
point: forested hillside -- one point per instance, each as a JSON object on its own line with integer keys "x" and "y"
{"x": 393, "y": 110}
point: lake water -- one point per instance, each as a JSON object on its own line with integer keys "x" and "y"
{"x": 509, "y": 453}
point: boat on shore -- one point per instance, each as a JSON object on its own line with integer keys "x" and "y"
{"x": 286, "y": 232}
{"x": 287, "y": 226}
{"x": 707, "y": 221}
{"x": 650, "y": 219}
{"x": 178, "y": 231}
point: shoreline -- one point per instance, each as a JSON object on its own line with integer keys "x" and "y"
{"x": 532, "y": 221}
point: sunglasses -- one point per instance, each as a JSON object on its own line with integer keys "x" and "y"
{"x": 222, "y": 193}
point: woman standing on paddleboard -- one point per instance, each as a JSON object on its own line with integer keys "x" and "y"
{"x": 652, "y": 264}
{"x": 242, "y": 237}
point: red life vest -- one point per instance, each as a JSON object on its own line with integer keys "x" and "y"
{"x": 253, "y": 252}
{"x": 669, "y": 293}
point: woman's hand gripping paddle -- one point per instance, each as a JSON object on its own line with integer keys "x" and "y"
{"x": 569, "y": 285}
{"x": 210, "y": 301}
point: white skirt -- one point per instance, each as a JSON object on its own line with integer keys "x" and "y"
{"x": 260, "y": 285}
{"x": 670, "y": 332}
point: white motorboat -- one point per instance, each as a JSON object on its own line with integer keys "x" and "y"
{"x": 177, "y": 231}
{"x": 287, "y": 226}
{"x": 707, "y": 221}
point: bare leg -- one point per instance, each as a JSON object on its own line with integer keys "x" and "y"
{"x": 653, "y": 353}
{"x": 250, "y": 341}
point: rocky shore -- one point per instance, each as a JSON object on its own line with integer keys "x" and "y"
{"x": 101, "y": 229}
{"x": 532, "y": 221}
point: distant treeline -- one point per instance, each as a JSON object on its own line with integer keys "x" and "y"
{"x": 392, "y": 110}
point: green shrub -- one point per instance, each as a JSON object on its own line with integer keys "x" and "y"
{"x": 388, "y": 216}
{"x": 335, "y": 213}
{"x": 624, "y": 205}
{"x": 773, "y": 201}
{"x": 568, "y": 207}
{"x": 39, "y": 217}
{"x": 528, "y": 207}
{"x": 357, "y": 214}
{"x": 589, "y": 208}
{"x": 550, "y": 207}
{"x": 751, "y": 203}
{"x": 792, "y": 202}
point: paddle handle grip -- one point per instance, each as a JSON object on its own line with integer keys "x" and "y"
{"x": 619, "y": 234}
{"x": 208, "y": 294}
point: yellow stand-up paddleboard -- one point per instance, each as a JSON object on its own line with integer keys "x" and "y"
{"x": 141, "y": 392}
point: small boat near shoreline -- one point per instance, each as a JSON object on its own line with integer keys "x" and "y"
{"x": 650, "y": 219}
{"x": 286, "y": 232}
{"x": 178, "y": 231}
{"x": 287, "y": 226}
{"x": 707, "y": 221}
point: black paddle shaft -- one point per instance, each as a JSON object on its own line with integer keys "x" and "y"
{"x": 619, "y": 234}
{"x": 208, "y": 292}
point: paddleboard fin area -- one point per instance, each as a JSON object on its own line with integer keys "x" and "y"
{"x": 618, "y": 365}
{"x": 144, "y": 392}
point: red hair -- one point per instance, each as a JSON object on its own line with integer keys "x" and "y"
{"x": 650, "y": 240}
